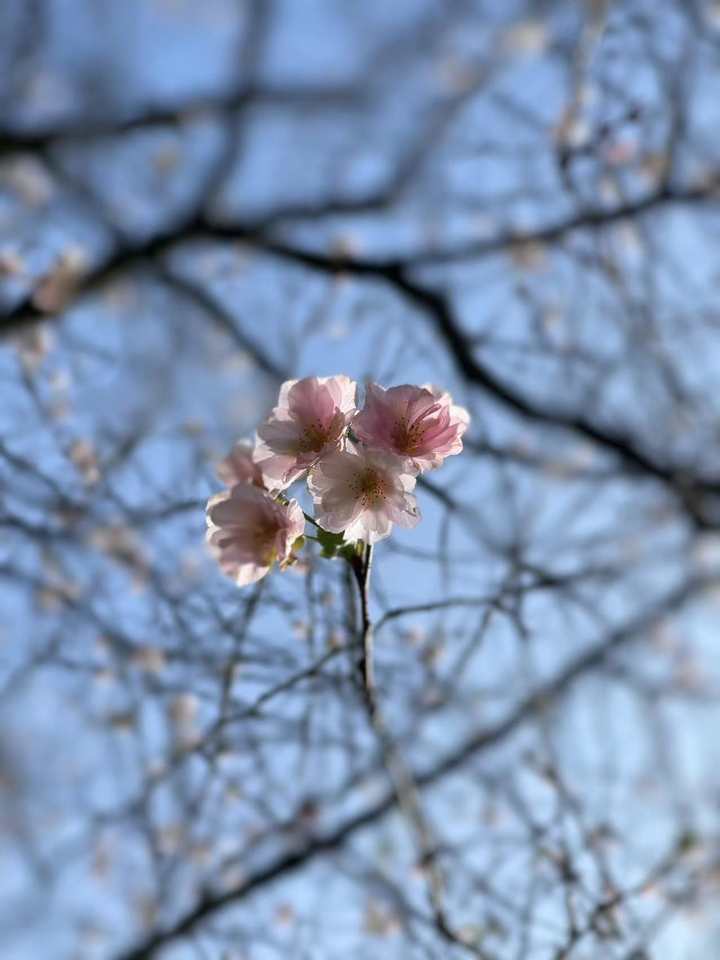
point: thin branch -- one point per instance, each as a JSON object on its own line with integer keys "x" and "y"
{"x": 30, "y": 139}
{"x": 211, "y": 902}
{"x": 197, "y": 227}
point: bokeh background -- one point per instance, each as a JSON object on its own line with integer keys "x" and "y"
{"x": 515, "y": 200}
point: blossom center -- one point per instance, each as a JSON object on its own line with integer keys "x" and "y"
{"x": 263, "y": 541}
{"x": 313, "y": 438}
{"x": 369, "y": 487}
{"x": 407, "y": 436}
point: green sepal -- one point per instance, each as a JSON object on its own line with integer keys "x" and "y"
{"x": 330, "y": 542}
{"x": 352, "y": 551}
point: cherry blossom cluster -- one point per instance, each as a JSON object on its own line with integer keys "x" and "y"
{"x": 360, "y": 465}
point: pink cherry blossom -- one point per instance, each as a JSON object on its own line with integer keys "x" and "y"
{"x": 310, "y": 420}
{"x": 239, "y": 467}
{"x": 421, "y": 423}
{"x": 248, "y": 531}
{"x": 363, "y": 493}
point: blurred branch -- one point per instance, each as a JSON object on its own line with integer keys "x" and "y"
{"x": 543, "y": 698}
{"x": 690, "y": 489}
{"x": 16, "y": 139}
{"x": 195, "y": 294}
{"x": 198, "y": 227}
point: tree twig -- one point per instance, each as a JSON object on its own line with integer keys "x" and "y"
{"x": 401, "y": 778}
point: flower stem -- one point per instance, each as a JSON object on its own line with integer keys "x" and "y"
{"x": 362, "y": 567}
{"x": 401, "y": 777}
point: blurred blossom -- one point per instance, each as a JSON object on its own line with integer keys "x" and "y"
{"x": 34, "y": 345}
{"x": 57, "y": 286}
{"x": 379, "y": 920}
{"x": 183, "y": 713}
{"x": 28, "y": 178}
{"x": 249, "y": 532}
{"x": 528, "y": 38}
{"x": 11, "y": 263}
{"x": 150, "y": 659}
{"x": 239, "y": 467}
